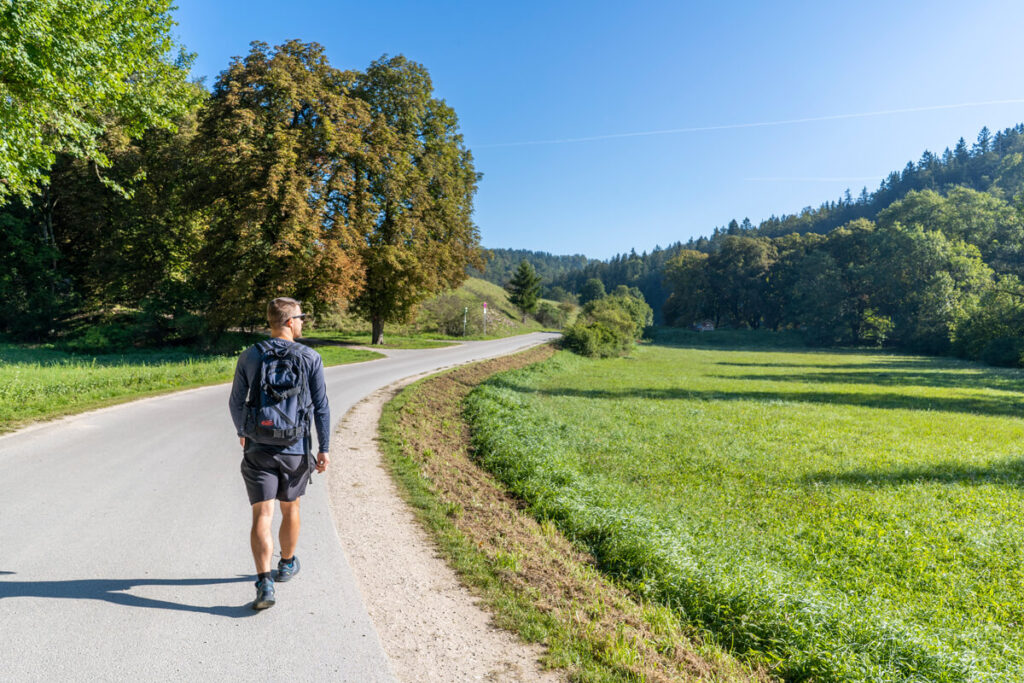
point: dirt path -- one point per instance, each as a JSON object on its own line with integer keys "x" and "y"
{"x": 430, "y": 625}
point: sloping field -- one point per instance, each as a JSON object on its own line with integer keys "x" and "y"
{"x": 834, "y": 516}
{"x": 503, "y": 320}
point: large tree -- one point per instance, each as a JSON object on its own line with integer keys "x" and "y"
{"x": 687, "y": 279}
{"x": 131, "y": 251}
{"x": 279, "y": 142}
{"x": 71, "y": 69}
{"x": 738, "y": 279}
{"x": 418, "y": 181}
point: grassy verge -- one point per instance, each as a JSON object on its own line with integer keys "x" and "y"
{"x": 830, "y": 516}
{"x": 42, "y": 384}
{"x": 392, "y": 341}
{"x": 537, "y": 583}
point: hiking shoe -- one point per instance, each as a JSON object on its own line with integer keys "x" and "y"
{"x": 264, "y": 594}
{"x": 285, "y": 570}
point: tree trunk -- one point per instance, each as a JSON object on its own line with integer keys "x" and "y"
{"x": 378, "y": 329}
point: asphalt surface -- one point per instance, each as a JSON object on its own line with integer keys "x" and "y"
{"x": 124, "y": 545}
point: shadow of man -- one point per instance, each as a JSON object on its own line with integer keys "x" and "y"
{"x": 113, "y": 590}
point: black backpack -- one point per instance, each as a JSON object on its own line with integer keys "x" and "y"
{"x": 279, "y": 406}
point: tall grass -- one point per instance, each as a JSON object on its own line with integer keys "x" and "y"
{"x": 850, "y": 516}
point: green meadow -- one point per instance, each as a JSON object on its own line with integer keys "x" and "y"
{"x": 39, "y": 383}
{"x": 832, "y": 516}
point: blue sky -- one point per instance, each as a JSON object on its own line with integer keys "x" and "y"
{"x": 554, "y": 72}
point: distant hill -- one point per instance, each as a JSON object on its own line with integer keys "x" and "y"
{"x": 502, "y": 263}
{"x": 993, "y": 164}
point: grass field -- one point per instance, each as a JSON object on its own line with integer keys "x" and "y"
{"x": 533, "y": 580}
{"x": 834, "y": 516}
{"x": 39, "y": 383}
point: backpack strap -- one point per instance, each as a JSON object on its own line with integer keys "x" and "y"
{"x": 251, "y": 398}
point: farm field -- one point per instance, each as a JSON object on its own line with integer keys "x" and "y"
{"x": 832, "y": 516}
{"x": 40, "y": 383}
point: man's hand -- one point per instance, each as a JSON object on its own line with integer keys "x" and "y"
{"x": 241, "y": 440}
{"x": 322, "y": 461}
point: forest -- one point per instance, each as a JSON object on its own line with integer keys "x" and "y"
{"x": 139, "y": 205}
{"x": 930, "y": 262}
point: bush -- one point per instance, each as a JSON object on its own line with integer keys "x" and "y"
{"x": 608, "y": 326}
{"x": 445, "y": 314}
{"x": 1006, "y": 352}
{"x": 550, "y": 315}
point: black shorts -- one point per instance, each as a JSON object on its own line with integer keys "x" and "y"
{"x": 269, "y": 474}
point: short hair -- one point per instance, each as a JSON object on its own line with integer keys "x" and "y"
{"x": 280, "y": 310}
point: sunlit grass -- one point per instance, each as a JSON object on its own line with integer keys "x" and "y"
{"x": 39, "y": 384}
{"x": 834, "y": 515}
{"x": 391, "y": 341}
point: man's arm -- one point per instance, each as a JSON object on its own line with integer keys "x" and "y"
{"x": 239, "y": 393}
{"x": 321, "y": 409}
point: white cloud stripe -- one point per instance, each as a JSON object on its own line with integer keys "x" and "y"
{"x": 815, "y": 179}
{"x": 759, "y": 124}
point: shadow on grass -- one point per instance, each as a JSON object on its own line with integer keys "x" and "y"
{"x": 728, "y": 340}
{"x": 980, "y": 405}
{"x": 881, "y": 364}
{"x": 1006, "y": 472}
{"x": 112, "y": 590}
{"x": 898, "y": 378}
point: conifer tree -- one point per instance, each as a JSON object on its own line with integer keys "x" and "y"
{"x": 524, "y": 288}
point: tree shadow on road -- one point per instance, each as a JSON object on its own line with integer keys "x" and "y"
{"x": 113, "y": 590}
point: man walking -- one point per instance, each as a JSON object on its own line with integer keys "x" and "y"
{"x": 278, "y": 383}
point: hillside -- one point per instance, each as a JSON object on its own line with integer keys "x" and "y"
{"x": 502, "y": 263}
{"x": 441, "y": 318}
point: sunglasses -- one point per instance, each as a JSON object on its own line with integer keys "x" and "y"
{"x": 300, "y": 317}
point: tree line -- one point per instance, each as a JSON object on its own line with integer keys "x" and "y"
{"x": 500, "y": 265}
{"x": 289, "y": 176}
{"x": 912, "y": 279}
{"x": 932, "y": 261}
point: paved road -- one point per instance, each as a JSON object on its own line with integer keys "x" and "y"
{"x": 124, "y": 548}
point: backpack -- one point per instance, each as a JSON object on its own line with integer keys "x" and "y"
{"x": 279, "y": 406}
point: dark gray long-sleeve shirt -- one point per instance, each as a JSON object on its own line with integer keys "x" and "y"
{"x": 247, "y": 373}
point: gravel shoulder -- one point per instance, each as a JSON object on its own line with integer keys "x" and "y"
{"x": 431, "y": 627}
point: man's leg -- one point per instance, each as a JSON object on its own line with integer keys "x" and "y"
{"x": 260, "y": 537}
{"x": 289, "y": 527}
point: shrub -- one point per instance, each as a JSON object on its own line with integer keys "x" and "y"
{"x": 551, "y": 315}
{"x": 1007, "y": 352}
{"x": 608, "y": 326}
{"x": 445, "y": 314}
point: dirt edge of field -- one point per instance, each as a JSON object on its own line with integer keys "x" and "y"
{"x": 431, "y": 625}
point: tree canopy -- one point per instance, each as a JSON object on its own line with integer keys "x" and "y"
{"x": 70, "y": 70}
{"x": 415, "y": 184}
{"x": 345, "y": 189}
{"x": 279, "y": 142}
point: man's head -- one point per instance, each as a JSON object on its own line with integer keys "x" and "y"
{"x": 285, "y": 316}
